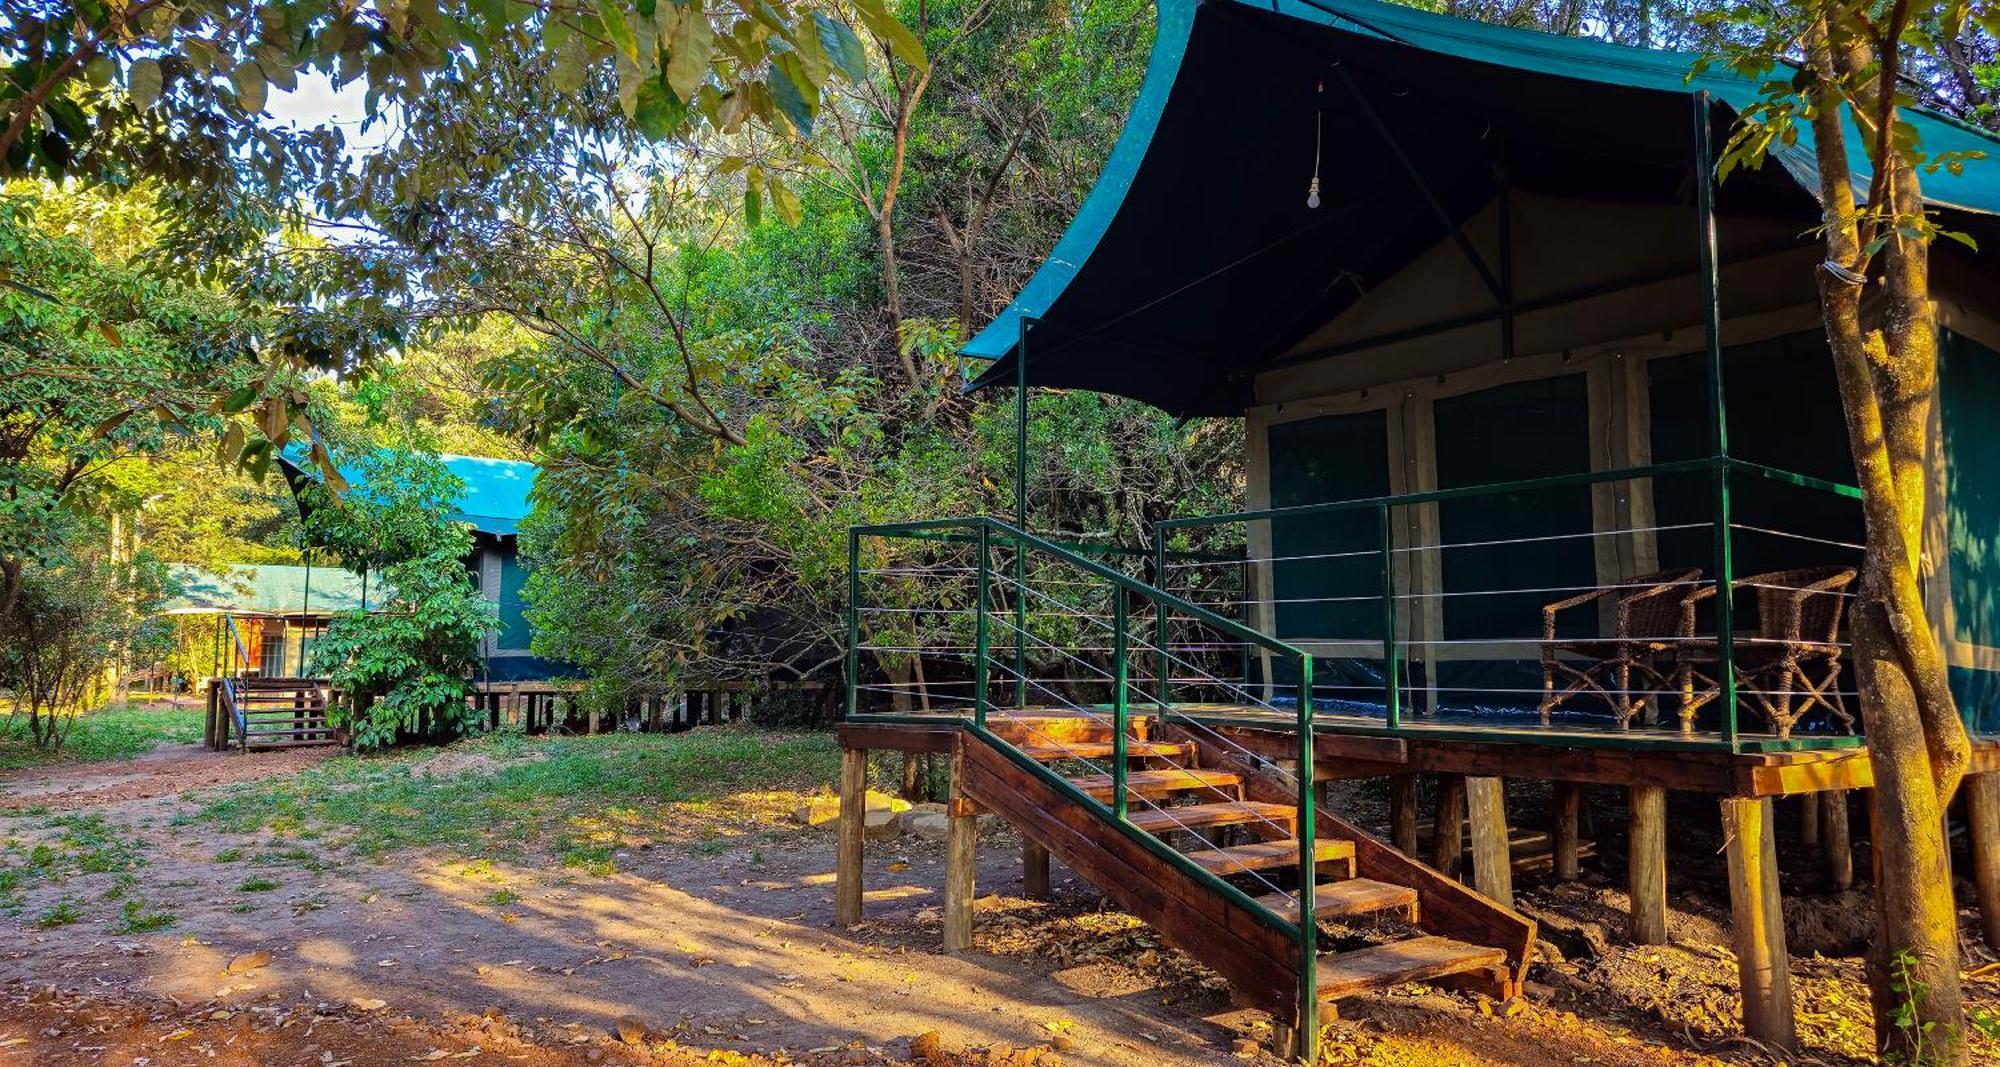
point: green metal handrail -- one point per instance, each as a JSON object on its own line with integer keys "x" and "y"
{"x": 983, "y": 531}
{"x": 1718, "y": 467}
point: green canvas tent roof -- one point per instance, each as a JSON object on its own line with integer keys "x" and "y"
{"x": 266, "y": 589}
{"x": 496, "y": 490}
{"x": 1195, "y": 259}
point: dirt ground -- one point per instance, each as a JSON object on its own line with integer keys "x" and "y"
{"x": 723, "y": 950}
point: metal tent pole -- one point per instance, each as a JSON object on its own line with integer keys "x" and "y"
{"x": 1021, "y": 515}
{"x": 1718, "y": 415}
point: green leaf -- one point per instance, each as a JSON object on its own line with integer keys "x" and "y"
{"x": 900, "y": 41}
{"x": 753, "y": 208}
{"x": 842, "y": 46}
{"x": 242, "y": 398}
{"x": 142, "y": 83}
{"x": 612, "y": 14}
{"x": 687, "y": 62}
{"x": 788, "y": 94}
{"x": 657, "y": 110}
{"x": 99, "y": 71}
{"x": 251, "y": 87}
{"x": 784, "y": 202}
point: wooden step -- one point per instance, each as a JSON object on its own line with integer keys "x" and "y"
{"x": 253, "y": 735}
{"x": 1228, "y": 813}
{"x": 1050, "y": 753}
{"x": 1033, "y": 726}
{"x": 1353, "y": 896}
{"x": 1419, "y": 959}
{"x": 1264, "y": 855}
{"x": 1157, "y": 784}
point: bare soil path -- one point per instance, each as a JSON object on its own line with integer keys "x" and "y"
{"x": 708, "y": 938}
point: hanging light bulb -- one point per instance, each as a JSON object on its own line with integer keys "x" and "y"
{"x": 1312, "y": 187}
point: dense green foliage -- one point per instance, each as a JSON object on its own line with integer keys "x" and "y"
{"x": 101, "y": 365}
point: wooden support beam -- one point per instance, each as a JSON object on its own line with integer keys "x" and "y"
{"x": 1034, "y": 870}
{"x": 1568, "y": 803}
{"x": 1492, "y": 864}
{"x": 961, "y": 845}
{"x": 1448, "y": 843}
{"x": 1809, "y": 806}
{"x": 853, "y": 830}
{"x": 1402, "y": 812}
{"x": 1833, "y": 839}
{"x": 1646, "y": 864}
{"x": 1982, "y": 824}
{"x": 1758, "y": 915}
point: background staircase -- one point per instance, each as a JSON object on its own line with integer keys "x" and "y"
{"x": 266, "y": 713}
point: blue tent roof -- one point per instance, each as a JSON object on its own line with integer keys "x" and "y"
{"x": 1194, "y": 259}
{"x": 496, "y": 490}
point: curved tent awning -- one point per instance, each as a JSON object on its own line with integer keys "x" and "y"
{"x": 1195, "y": 262}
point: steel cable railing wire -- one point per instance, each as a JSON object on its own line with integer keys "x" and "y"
{"x": 1093, "y": 675}
{"x": 1255, "y": 760}
{"x": 999, "y": 575}
{"x": 1179, "y": 824}
{"x": 1067, "y": 654}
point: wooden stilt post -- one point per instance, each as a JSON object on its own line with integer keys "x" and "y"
{"x": 1646, "y": 864}
{"x": 1809, "y": 805}
{"x": 1034, "y": 871}
{"x": 1492, "y": 860}
{"x": 1762, "y": 961}
{"x": 1568, "y": 799}
{"x": 853, "y": 830}
{"x": 1403, "y": 812}
{"x": 960, "y": 858}
{"x": 1833, "y": 839}
{"x": 1982, "y": 824}
{"x": 1448, "y": 825}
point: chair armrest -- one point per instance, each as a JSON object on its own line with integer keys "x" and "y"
{"x": 1549, "y": 610}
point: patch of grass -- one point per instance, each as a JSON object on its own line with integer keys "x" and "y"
{"x": 294, "y": 855}
{"x": 133, "y": 918}
{"x": 62, "y": 914}
{"x": 256, "y": 885}
{"x": 500, "y": 898}
{"x": 110, "y": 734}
{"x": 229, "y": 855}
{"x": 590, "y": 796}
{"x": 83, "y": 844}
{"x": 243, "y": 908}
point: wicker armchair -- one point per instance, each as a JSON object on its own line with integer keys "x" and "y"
{"x": 1648, "y": 623}
{"x": 1792, "y": 665}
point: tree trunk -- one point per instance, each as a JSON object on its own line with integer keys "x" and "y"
{"x": 1885, "y": 360}
{"x": 1913, "y": 960}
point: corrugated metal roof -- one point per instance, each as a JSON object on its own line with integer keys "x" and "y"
{"x": 268, "y": 589}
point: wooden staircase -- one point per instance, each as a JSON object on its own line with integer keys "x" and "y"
{"x": 1231, "y": 815}
{"x": 266, "y": 713}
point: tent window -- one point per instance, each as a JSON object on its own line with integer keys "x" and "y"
{"x": 1784, "y": 412}
{"x": 513, "y": 609}
{"x": 1320, "y": 461}
{"x": 1523, "y": 430}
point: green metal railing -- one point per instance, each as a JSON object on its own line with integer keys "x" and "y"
{"x": 1013, "y": 581}
{"x": 1722, "y": 470}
